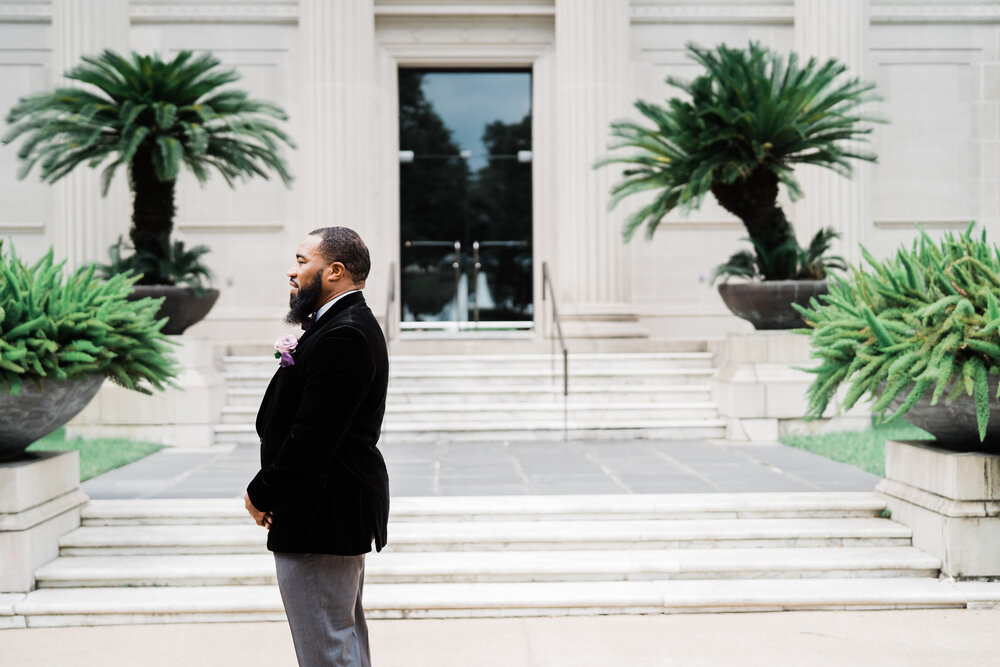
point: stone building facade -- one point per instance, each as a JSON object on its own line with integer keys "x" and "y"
{"x": 337, "y": 66}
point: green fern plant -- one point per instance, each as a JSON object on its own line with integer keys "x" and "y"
{"x": 790, "y": 259}
{"x": 174, "y": 264}
{"x": 63, "y": 329}
{"x": 923, "y": 322}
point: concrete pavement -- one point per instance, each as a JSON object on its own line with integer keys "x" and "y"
{"x": 924, "y": 638}
{"x": 514, "y": 468}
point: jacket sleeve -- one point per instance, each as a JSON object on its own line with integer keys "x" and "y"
{"x": 339, "y": 372}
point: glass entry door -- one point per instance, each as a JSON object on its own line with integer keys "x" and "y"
{"x": 465, "y": 199}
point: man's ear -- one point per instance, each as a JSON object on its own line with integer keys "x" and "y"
{"x": 337, "y": 271}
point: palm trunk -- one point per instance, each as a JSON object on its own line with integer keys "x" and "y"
{"x": 754, "y": 202}
{"x": 152, "y": 210}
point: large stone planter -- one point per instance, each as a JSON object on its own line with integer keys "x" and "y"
{"x": 951, "y": 501}
{"x": 181, "y": 306}
{"x": 40, "y": 409}
{"x": 768, "y": 305}
{"x": 955, "y": 423}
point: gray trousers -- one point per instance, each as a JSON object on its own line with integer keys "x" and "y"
{"x": 322, "y": 598}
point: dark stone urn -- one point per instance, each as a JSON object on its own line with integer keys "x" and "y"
{"x": 768, "y": 304}
{"x": 181, "y": 306}
{"x": 954, "y": 424}
{"x": 40, "y": 409}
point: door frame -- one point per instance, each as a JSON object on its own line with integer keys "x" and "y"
{"x": 470, "y": 44}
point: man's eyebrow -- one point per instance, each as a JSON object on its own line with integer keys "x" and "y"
{"x": 298, "y": 256}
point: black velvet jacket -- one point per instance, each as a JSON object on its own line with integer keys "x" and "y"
{"x": 322, "y": 476}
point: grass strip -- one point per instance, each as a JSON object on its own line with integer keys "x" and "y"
{"x": 862, "y": 449}
{"x": 97, "y": 455}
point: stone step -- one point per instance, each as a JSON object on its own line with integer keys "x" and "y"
{"x": 508, "y": 536}
{"x": 511, "y": 377}
{"x": 410, "y": 413}
{"x": 478, "y": 509}
{"x": 516, "y": 395}
{"x": 508, "y": 566}
{"x": 112, "y": 606}
{"x": 432, "y": 364}
{"x": 492, "y": 431}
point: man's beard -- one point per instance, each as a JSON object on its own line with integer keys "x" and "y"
{"x": 302, "y": 304}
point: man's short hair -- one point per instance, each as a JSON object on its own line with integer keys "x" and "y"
{"x": 344, "y": 245}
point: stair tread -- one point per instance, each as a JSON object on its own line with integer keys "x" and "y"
{"x": 491, "y": 358}
{"x": 519, "y": 425}
{"x": 535, "y": 388}
{"x": 614, "y": 563}
{"x": 618, "y": 506}
{"x": 483, "y": 373}
{"x": 489, "y": 598}
{"x": 511, "y": 532}
{"x": 526, "y": 407}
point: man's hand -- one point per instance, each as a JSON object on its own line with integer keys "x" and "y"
{"x": 263, "y": 519}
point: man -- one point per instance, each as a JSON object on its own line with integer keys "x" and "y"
{"x": 322, "y": 491}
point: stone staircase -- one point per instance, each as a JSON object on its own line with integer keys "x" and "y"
{"x": 517, "y": 397}
{"x": 143, "y": 561}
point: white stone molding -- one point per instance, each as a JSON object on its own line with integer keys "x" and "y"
{"x": 909, "y": 224}
{"x": 215, "y": 11}
{"x": 85, "y": 223}
{"x": 939, "y": 12}
{"x": 783, "y": 12}
{"x": 458, "y": 41}
{"x": 465, "y": 41}
{"x": 777, "y": 12}
{"x": 834, "y": 30}
{"x": 592, "y": 89}
{"x": 465, "y": 8}
{"x": 39, "y": 11}
{"x": 231, "y": 226}
{"x": 15, "y": 227}
{"x": 384, "y": 245}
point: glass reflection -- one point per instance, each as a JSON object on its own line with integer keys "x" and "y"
{"x": 465, "y": 198}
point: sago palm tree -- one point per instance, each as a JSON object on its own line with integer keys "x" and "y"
{"x": 151, "y": 117}
{"x": 738, "y": 133}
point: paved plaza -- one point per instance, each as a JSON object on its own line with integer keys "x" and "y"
{"x": 921, "y": 638}
{"x": 514, "y": 468}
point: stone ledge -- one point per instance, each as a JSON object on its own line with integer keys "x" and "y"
{"x": 34, "y": 516}
{"x": 955, "y": 509}
{"x": 961, "y": 476}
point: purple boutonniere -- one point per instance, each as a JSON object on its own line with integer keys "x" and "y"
{"x": 284, "y": 347}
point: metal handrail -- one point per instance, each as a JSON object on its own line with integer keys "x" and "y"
{"x": 390, "y": 300}
{"x": 547, "y": 283}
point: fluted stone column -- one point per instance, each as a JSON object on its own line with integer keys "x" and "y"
{"x": 85, "y": 223}
{"x": 340, "y": 112}
{"x": 825, "y": 29}
{"x": 592, "y": 89}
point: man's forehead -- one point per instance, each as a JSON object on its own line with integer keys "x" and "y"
{"x": 308, "y": 246}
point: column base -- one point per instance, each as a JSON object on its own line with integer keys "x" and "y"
{"x": 761, "y": 392}
{"x": 40, "y": 500}
{"x": 951, "y": 500}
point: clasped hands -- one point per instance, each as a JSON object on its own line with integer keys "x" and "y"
{"x": 263, "y": 519}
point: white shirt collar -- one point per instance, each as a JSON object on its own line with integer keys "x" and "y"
{"x": 329, "y": 304}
